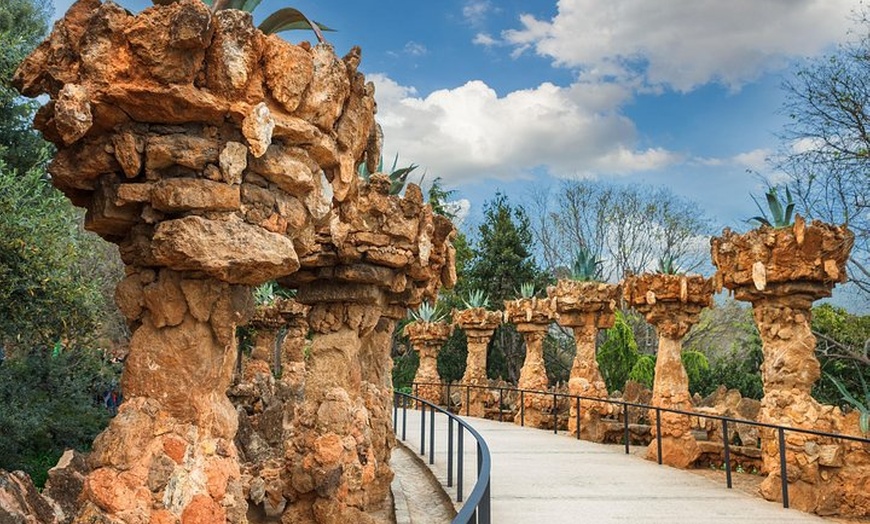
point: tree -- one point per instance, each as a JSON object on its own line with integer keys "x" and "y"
{"x": 825, "y": 147}
{"x": 50, "y": 400}
{"x": 23, "y": 23}
{"x": 629, "y": 228}
{"x": 503, "y": 252}
{"x": 617, "y": 354}
{"x": 502, "y": 262}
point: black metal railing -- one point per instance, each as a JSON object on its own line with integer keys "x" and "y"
{"x": 725, "y": 422}
{"x": 476, "y": 508}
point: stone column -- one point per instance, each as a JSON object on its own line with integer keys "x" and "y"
{"x": 332, "y": 462}
{"x": 586, "y": 308}
{"x": 169, "y": 452}
{"x": 782, "y": 272}
{"x": 293, "y": 346}
{"x": 532, "y": 318}
{"x": 427, "y": 339}
{"x": 479, "y": 325}
{"x": 672, "y": 303}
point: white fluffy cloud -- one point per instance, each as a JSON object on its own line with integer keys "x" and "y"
{"x": 471, "y": 131}
{"x": 682, "y": 43}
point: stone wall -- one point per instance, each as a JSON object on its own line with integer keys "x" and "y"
{"x": 218, "y": 158}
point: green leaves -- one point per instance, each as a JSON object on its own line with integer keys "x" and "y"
{"x": 586, "y": 268}
{"x": 477, "y": 298}
{"x": 780, "y": 216}
{"x": 398, "y": 176}
{"x": 862, "y": 407}
{"x": 427, "y": 312}
{"x": 289, "y": 19}
{"x": 527, "y": 290}
{"x": 668, "y": 266}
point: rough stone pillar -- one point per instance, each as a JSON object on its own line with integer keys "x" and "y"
{"x": 293, "y": 346}
{"x": 671, "y": 303}
{"x": 586, "y": 308}
{"x": 266, "y": 405}
{"x": 782, "y": 272}
{"x": 479, "y": 325}
{"x": 332, "y": 467}
{"x": 427, "y": 339}
{"x": 532, "y": 317}
{"x": 169, "y": 452}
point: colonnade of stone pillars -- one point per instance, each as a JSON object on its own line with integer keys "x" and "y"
{"x": 586, "y": 308}
{"x": 427, "y": 339}
{"x": 781, "y": 272}
{"x": 479, "y": 325}
{"x": 672, "y": 303}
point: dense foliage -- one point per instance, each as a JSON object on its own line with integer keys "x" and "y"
{"x": 56, "y": 283}
{"x": 51, "y": 400}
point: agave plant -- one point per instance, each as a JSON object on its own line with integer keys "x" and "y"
{"x": 862, "y": 407}
{"x": 398, "y": 176}
{"x": 285, "y": 19}
{"x": 668, "y": 265}
{"x": 780, "y": 212}
{"x": 586, "y": 268}
{"x": 267, "y": 293}
{"x": 476, "y": 298}
{"x": 527, "y": 290}
{"x": 427, "y": 312}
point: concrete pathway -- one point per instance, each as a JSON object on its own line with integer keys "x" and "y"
{"x": 540, "y": 477}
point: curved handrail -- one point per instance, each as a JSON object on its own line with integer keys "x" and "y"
{"x": 476, "y": 508}
{"x": 780, "y": 430}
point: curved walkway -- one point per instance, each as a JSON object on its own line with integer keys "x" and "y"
{"x": 541, "y": 477}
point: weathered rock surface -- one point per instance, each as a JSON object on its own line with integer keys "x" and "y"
{"x": 782, "y": 271}
{"x": 427, "y": 339}
{"x": 672, "y": 303}
{"x": 479, "y": 325}
{"x": 586, "y": 308}
{"x": 200, "y": 146}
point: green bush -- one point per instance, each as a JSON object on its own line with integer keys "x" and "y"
{"x": 51, "y": 400}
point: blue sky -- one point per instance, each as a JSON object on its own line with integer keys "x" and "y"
{"x": 512, "y": 94}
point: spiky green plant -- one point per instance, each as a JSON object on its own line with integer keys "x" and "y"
{"x": 265, "y": 294}
{"x": 668, "y": 265}
{"x": 862, "y": 407}
{"x": 285, "y": 19}
{"x": 780, "y": 212}
{"x": 427, "y": 312}
{"x": 527, "y": 290}
{"x": 398, "y": 175}
{"x": 586, "y": 268}
{"x": 476, "y": 298}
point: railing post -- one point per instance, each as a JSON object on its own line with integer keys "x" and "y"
{"x": 659, "y": 433}
{"x": 448, "y": 396}
{"x": 467, "y": 400}
{"x": 555, "y": 414}
{"x": 432, "y": 436}
{"x": 500, "y": 404}
{"x": 523, "y": 408}
{"x": 449, "y": 451}
{"x": 395, "y": 412}
{"x": 422, "y": 428}
{"x": 485, "y": 515}
{"x": 625, "y": 423}
{"x": 725, "y": 440}
{"x": 460, "y": 463}
{"x": 783, "y": 472}
{"x": 578, "y": 417}
{"x": 404, "y": 418}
